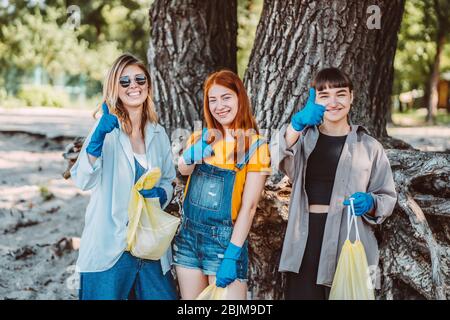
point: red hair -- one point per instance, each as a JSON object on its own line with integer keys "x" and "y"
{"x": 244, "y": 119}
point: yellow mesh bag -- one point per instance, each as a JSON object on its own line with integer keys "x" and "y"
{"x": 150, "y": 229}
{"x": 212, "y": 292}
{"x": 352, "y": 278}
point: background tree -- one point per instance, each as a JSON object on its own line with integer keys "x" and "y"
{"x": 189, "y": 40}
{"x": 249, "y": 12}
{"x": 40, "y": 35}
{"x": 438, "y": 14}
{"x": 417, "y": 57}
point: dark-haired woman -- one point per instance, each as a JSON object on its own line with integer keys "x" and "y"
{"x": 329, "y": 160}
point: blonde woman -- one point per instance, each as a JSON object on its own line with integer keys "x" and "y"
{"x": 125, "y": 142}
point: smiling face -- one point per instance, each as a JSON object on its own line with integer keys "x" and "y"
{"x": 223, "y": 104}
{"x": 337, "y": 102}
{"x": 135, "y": 94}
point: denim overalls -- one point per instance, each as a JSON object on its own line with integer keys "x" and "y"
{"x": 206, "y": 225}
{"x": 130, "y": 278}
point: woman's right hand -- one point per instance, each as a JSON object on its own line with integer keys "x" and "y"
{"x": 107, "y": 124}
{"x": 310, "y": 115}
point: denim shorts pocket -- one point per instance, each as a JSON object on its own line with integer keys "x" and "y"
{"x": 223, "y": 238}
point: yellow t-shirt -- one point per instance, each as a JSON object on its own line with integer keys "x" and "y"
{"x": 258, "y": 162}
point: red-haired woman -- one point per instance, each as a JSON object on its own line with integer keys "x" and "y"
{"x": 227, "y": 164}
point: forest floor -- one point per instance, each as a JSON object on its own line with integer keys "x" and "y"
{"x": 42, "y": 214}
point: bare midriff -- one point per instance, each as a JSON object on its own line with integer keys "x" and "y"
{"x": 318, "y": 208}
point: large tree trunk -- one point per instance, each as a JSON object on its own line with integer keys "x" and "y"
{"x": 295, "y": 39}
{"x": 189, "y": 40}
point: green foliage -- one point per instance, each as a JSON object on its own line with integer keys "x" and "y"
{"x": 417, "y": 117}
{"x": 416, "y": 47}
{"x": 3, "y": 94}
{"x": 35, "y": 40}
{"x": 43, "y": 95}
{"x": 39, "y": 34}
{"x": 249, "y": 12}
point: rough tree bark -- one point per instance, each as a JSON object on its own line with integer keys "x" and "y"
{"x": 294, "y": 39}
{"x": 415, "y": 241}
{"x": 189, "y": 40}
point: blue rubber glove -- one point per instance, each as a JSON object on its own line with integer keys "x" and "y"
{"x": 155, "y": 192}
{"x": 107, "y": 124}
{"x": 363, "y": 203}
{"x": 310, "y": 115}
{"x": 199, "y": 150}
{"x": 227, "y": 272}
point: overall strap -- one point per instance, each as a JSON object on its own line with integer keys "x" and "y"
{"x": 244, "y": 160}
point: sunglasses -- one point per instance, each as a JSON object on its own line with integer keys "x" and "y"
{"x": 140, "y": 79}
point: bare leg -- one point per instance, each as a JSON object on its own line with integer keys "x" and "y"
{"x": 192, "y": 282}
{"x": 237, "y": 290}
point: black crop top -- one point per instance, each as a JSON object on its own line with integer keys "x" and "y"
{"x": 321, "y": 168}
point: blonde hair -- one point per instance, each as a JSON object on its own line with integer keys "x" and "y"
{"x": 111, "y": 94}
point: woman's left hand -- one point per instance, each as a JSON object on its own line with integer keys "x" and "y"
{"x": 155, "y": 192}
{"x": 363, "y": 203}
{"x": 227, "y": 272}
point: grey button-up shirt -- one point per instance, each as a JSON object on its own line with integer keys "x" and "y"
{"x": 363, "y": 167}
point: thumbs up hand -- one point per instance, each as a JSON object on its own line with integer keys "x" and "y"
{"x": 199, "y": 150}
{"x": 310, "y": 115}
{"x": 106, "y": 124}
{"x": 108, "y": 121}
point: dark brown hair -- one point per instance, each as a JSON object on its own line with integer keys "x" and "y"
{"x": 331, "y": 78}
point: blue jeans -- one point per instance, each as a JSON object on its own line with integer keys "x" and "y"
{"x": 129, "y": 278}
{"x": 206, "y": 226}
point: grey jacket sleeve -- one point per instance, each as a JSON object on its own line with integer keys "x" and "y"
{"x": 382, "y": 187}
{"x": 282, "y": 157}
